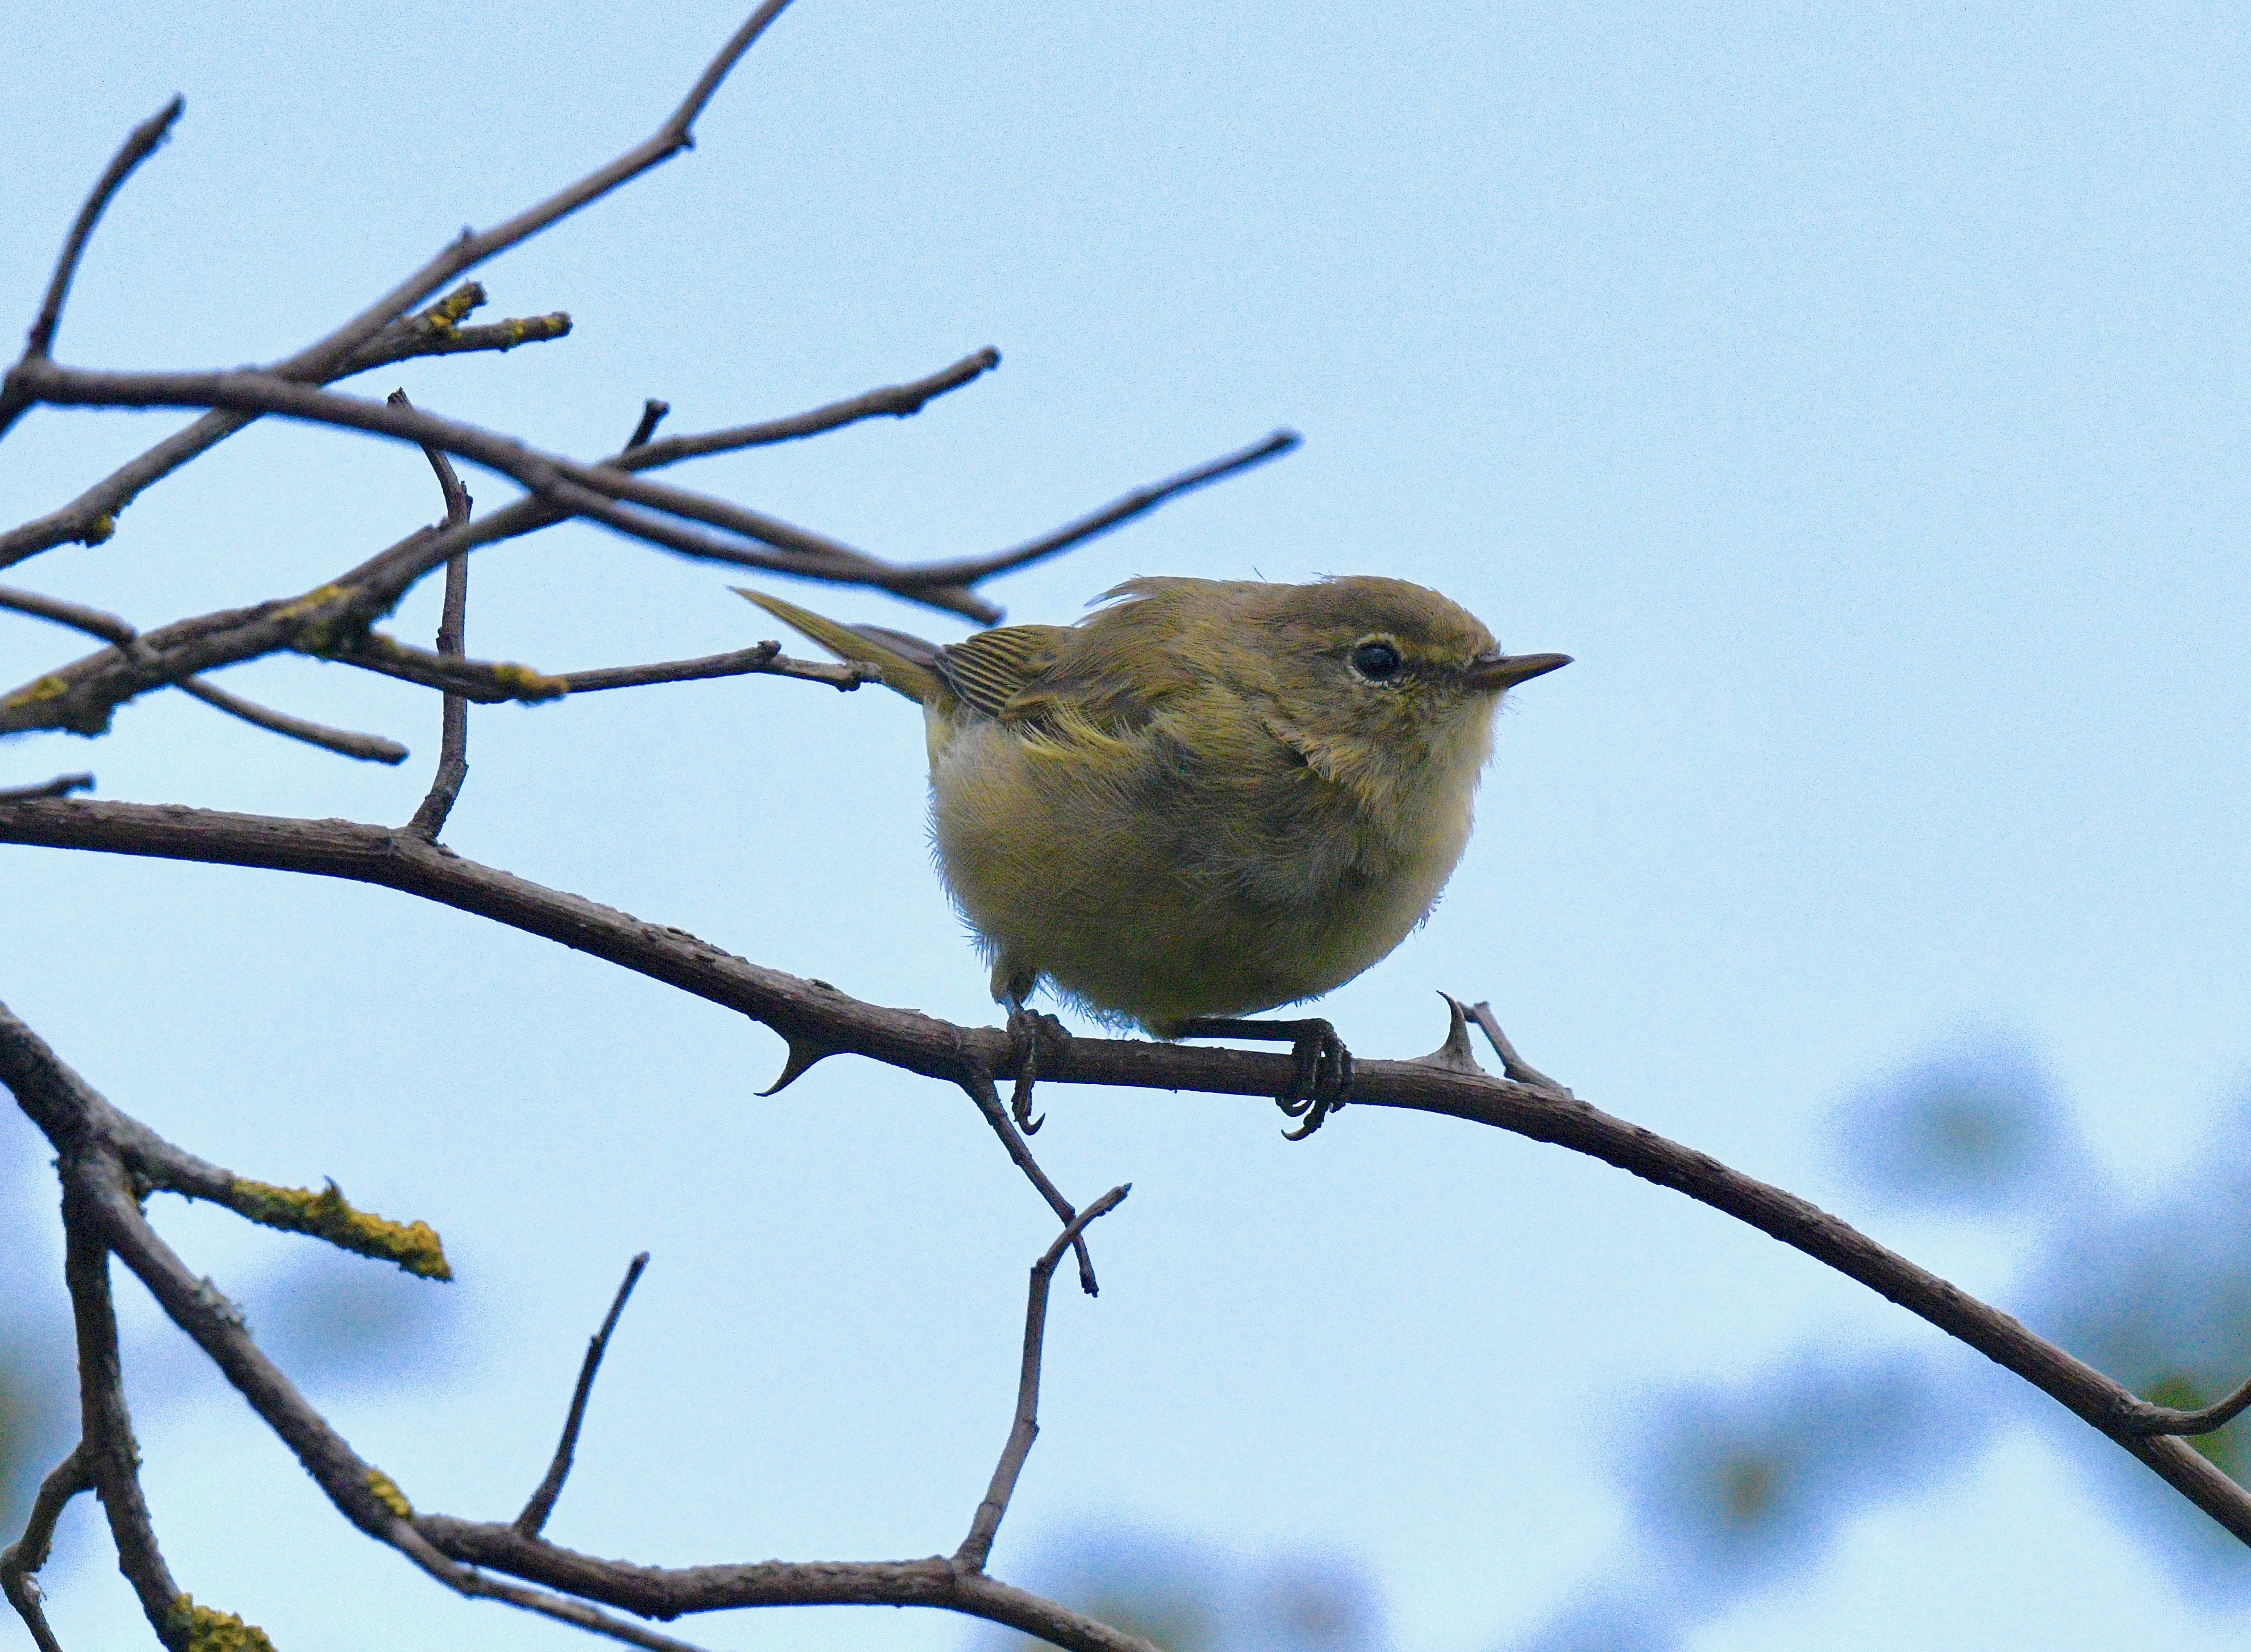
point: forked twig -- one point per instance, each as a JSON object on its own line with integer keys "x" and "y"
{"x": 21, "y": 1560}
{"x": 978, "y": 1545}
{"x": 93, "y": 622}
{"x": 978, "y": 1084}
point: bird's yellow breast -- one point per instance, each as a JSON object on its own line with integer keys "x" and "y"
{"x": 1210, "y": 862}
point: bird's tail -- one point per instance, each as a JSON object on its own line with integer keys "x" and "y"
{"x": 903, "y": 664}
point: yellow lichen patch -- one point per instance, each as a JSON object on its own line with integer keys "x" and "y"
{"x": 388, "y": 1494}
{"x": 415, "y": 1246}
{"x": 527, "y": 685}
{"x": 45, "y": 688}
{"x": 311, "y": 600}
{"x": 209, "y": 1630}
{"x": 441, "y": 317}
{"x": 99, "y": 530}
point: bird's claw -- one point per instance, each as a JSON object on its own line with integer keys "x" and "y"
{"x": 1026, "y": 1030}
{"x": 1322, "y": 1081}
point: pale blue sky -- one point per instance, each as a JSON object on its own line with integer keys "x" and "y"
{"x": 1861, "y": 400}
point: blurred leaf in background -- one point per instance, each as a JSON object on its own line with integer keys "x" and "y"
{"x": 334, "y": 1321}
{"x": 1745, "y": 1485}
{"x": 2160, "y": 1299}
{"x": 1974, "y": 1130}
{"x": 1187, "y": 1598}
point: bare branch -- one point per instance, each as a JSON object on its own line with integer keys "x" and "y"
{"x": 488, "y": 682}
{"x": 978, "y": 1545}
{"x": 470, "y": 250}
{"x": 652, "y": 415}
{"x": 970, "y": 570}
{"x": 897, "y": 401}
{"x": 2147, "y": 1418}
{"x": 978, "y": 1084}
{"x": 110, "y": 628}
{"x": 543, "y": 1500}
{"x": 111, "y": 1456}
{"x": 453, "y": 623}
{"x": 1512, "y": 1065}
{"x": 819, "y": 1017}
{"x": 369, "y": 748}
{"x": 61, "y": 786}
{"x": 92, "y": 517}
{"x": 97, "y": 1143}
{"x": 21, "y": 1560}
{"x": 81, "y": 696}
{"x": 141, "y": 142}
{"x": 762, "y": 658}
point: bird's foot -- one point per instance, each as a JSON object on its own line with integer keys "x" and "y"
{"x": 1323, "y": 1078}
{"x": 1027, "y": 1030}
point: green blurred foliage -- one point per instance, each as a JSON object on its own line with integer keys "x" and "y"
{"x": 1743, "y": 1484}
{"x": 1186, "y": 1598}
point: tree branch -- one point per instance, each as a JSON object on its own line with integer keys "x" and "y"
{"x": 978, "y": 1545}
{"x": 110, "y": 628}
{"x": 92, "y": 517}
{"x": 817, "y": 1017}
{"x": 970, "y": 570}
{"x": 139, "y": 145}
{"x": 330, "y": 621}
{"x": 543, "y": 1500}
{"x": 764, "y": 659}
{"x": 98, "y": 1146}
{"x": 61, "y": 786}
{"x": 453, "y": 623}
{"x": 21, "y": 1560}
{"x": 111, "y": 1456}
{"x": 896, "y": 401}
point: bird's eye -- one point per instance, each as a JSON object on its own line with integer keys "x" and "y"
{"x": 1376, "y": 660}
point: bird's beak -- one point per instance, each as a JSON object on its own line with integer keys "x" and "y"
{"x": 1497, "y": 672}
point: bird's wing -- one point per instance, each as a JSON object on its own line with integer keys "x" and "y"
{"x": 991, "y": 670}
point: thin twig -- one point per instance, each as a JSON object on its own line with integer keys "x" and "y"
{"x": 978, "y": 1545}
{"x": 464, "y": 1581}
{"x": 488, "y": 682}
{"x": 454, "y": 719}
{"x": 970, "y": 570}
{"x": 371, "y": 747}
{"x": 1513, "y": 1066}
{"x": 112, "y": 1457}
{"x": 21, "y": 1560}
{"x": 139, "y": 145}
{"x": 896, "y": 401}
{"x": 322, "y": 360}
{"x": 978, "y": 1082}
{"x": 61, "y": 786}
{"x": 652, "y": 415}
{"x": 468, "y": 251}
{"x": 762, "y": 658}
{"x": 2147, "y": 1418}
{"x": 92, "y": 517}
{"x": 543, "y": 1500}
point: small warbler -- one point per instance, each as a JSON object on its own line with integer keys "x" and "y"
{"x": 1210, "y": 798}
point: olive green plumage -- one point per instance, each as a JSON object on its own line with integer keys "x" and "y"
{"x": 1209, "y": 798}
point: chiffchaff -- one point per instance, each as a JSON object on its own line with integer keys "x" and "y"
{"x": 1208, "y": 798}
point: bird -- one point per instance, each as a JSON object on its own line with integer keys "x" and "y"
{"x": 1207, "y": 799}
